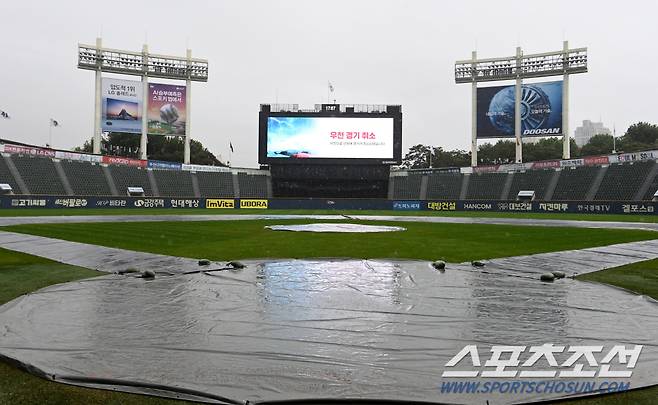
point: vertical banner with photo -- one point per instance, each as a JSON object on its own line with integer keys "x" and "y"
{"x": 121, "y": 104}
{"x": 166, "y": 109}
{"x": 541, "y": 110}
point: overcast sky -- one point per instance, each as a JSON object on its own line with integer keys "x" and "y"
{"x": 374, "y": 52}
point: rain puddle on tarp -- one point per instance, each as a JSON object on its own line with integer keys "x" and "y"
{"x": 311, "y": 329}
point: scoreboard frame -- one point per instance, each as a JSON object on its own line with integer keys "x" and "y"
{"x": 335, "y": 111}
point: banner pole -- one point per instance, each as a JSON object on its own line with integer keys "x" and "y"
{"x": 517, "y": 107}
{"x": 474, "y": 116}
{"x": 97, "y": 101}
{"x": 145, "y": 91}
{"x": 566, "y": 145}
{"x": 188, "y": 110}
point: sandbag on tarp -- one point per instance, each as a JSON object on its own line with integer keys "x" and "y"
{"x": 335, "y": 228}
{"x": 300, "y": 329}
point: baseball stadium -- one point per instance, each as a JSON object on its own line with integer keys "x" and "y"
{"x": 344, "y": 267}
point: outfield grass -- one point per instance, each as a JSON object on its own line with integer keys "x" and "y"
{"x": 188, "y": 211}
{"x": 21, "y": 273}
{"x": 225, "y": 240}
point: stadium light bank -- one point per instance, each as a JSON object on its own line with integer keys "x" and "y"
{"x": 519, "y": 67}
{"x": 146, "y": 65}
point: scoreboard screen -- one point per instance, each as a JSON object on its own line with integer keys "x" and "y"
{"x": 324, "y": 137}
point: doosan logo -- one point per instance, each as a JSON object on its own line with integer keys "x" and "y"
{"x": 541, "y": 131}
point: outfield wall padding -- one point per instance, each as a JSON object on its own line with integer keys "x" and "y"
{"x": 256, "y": 204}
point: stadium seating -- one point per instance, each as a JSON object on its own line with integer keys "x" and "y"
{"x": 615, "y": 182}
{"x": 213, "y": 184}
{"x": 573, "y": 184}
{"x": 172, "y": 183}
{"x": 653, "y": 186}
{"x": 126, "y": 176}
{"x": 407, "y": 187}
{"x": 486, "y": 186}
{"x": 442, "y": 186}
{"x": 7, "y": 177}
{"x": 39, "y": 174}
{"x": 536, "y": 180}
{"x": 252, "y": 185}
{"x": 86, "y": 178}
{"x": 621, "y": 182}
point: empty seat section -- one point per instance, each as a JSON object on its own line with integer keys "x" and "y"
{"x": 172, "y": 183}
{"x": 86, "y": 178}
{"x": 486, "y": 186}
{"x": 215, "y": 184}
{"x": 444, "y": 186}
{"x": 252, "y": 185}
{"x": 653, "y": 187}
{"x": 621, "y": 182}
{"x": 535, "y": 180}
{"x": 39, "y": 175}
{"x": 127, "y": 176}
{"x": 574, "y": 183}
{"x": 6, "y": 177}
{"x": 407, "y": 187}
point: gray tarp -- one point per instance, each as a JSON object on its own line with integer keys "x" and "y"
{"x": 336, "y": 228}
{"x": 296, "y": 329}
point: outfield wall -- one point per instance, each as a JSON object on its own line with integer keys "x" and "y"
{"x": 597, "y": 207}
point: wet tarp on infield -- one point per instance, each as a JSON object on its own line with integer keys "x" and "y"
{"x": 298, "y": 329}
{"x": 335, "y": 228}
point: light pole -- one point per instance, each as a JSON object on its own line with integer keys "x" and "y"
{"x": 614, "y": 138}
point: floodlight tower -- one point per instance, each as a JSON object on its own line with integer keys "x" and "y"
{"x": 145, "y": 65}
{"x": 565, "y": 62}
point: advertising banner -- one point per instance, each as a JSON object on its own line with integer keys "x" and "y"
{"x": 166, "y": 109}
{"x": 204, "y": 168}
{"x": 28, "y": 150}
{"x": 83, "y": 157}
{"x": 121, "y": 104}
{"x": 631, "y": 157}
{"x": 541, "y": 110}
{"x": 406, "y": 205}
{"x": 82, "y": 202}
{"x": 485, "y": 169}
{"x": 117, "y": 160}
{"x": 546, "y": 164}
{"x": 330, "y": 138}
{"x": 595, "y": 160}
{"x": 159, "y": 164}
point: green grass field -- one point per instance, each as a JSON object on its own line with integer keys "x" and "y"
{"x": 20, "y": 274}
{"x": 187, "y": 211}
{"x": 224, "y": 240}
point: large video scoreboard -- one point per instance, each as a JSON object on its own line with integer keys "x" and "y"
{"x": 330, "y": 134}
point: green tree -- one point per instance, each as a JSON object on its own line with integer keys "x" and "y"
{"x": 158, "y": 148}
{"x": 642, "y": 133}
{"x": 501, "y": 152}
{"x": 450, "y": 158}
{"x": 545, "y": 149}
{"x": 418, "y": 157}
{"x": 598, "y": 145}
